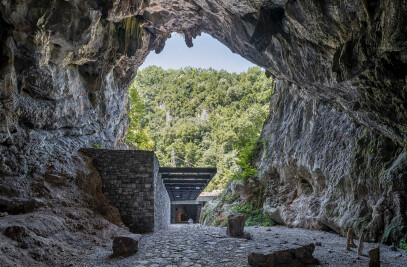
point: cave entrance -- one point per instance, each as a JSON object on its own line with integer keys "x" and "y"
{"x": 206, "y": 53}
{"x": 196, "y": 108}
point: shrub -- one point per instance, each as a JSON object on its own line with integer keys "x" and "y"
{"x": 246, "y": 154}
{"x": 97, "y": 145}
{"x": 220, "y": 221}
{"x": 363, "y": 223}
{"x": 206, "y": 215}
{"x": 230, "y": 197}
{"x": 403, "y": 245}
{"x": 253, "y": 216}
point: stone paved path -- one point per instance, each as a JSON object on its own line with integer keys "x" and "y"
{"x": 196, "y": 245}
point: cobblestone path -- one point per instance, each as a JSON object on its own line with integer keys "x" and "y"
{"x": 196, "y": 245}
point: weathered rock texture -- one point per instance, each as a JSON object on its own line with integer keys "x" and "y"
{"x": 335, "y": 150}
{"x": 66, "y": 222}
{"x": 298, "y": 256}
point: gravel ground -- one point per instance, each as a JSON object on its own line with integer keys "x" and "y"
{"x": 196, "y": 245}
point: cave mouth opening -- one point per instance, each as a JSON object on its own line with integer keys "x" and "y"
{"x": 200, "y": 106}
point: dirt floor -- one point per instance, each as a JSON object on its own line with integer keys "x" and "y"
{"x": 196, "y": 245}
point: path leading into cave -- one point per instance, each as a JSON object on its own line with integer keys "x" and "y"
{"x": 196, "y": 245}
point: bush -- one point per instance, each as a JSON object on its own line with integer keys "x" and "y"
{"x": 247, "y": 152}
{"x": 403, "y": 245}
{"x": 97, "y": 145}
{"x": 200, "y": 117}
{"x": 253, "y": 216}
{"x": 230, "y": 197}
{"x": 206, "y": 215}
{"x": 220, "y": 221}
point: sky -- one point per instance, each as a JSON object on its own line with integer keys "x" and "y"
{"x": 206, "y": 52}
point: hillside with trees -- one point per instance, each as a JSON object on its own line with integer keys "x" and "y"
{"x": 196, "y": 117}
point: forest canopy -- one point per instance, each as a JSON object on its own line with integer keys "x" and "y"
{"x": 195, "y": 117}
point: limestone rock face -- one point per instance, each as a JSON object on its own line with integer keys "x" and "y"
{"x": 323, "y": 170}
{"x": 334, "y": 154}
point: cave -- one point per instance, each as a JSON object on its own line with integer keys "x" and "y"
{"x": 337, "y": 125}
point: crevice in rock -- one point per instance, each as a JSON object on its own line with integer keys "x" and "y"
{"x": 269, "y": 23}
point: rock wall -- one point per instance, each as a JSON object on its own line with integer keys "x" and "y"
{"x": 66, "y": 65}
{"x": 162, "y": 202}
{"x": 62, "y": 217}
{"x": 323, "y": 170}
{"x": 132, "y": 183}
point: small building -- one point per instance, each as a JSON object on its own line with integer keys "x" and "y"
{"x": 185, "y": 186}
{"x": 131, "y": 181}
{"x": 148, "y": 197}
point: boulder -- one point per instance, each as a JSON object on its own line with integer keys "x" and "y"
{"x": 274, "y": 214}
{"x": 235, "y": 226}
{"x": 125, "y": 245}
{"x": 298, "y": 256}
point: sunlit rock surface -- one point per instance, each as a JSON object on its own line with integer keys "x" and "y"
{"x": 335, "y": 151}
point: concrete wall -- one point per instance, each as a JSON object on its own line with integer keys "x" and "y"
{"x": 132, "y": 183}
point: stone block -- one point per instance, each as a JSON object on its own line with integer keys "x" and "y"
{"x": 235, "y": 227}
{"x": 299, "y": 256}
{"x": 374, "y": 257}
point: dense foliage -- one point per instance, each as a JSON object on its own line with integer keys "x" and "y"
{"x": 200, "y": 117}
{"x": 403, "y": 245}
{"x": 253, "y": 216}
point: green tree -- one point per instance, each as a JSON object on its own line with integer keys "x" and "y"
{"x": 204, "y": 117}
{"x": 138, "y": 133}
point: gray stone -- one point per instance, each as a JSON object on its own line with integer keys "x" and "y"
{"x": 125, "y": 245}
{"x": 248, "y": 236}
{"x": 299, "y": 256}
{"x": 274, "y": 214}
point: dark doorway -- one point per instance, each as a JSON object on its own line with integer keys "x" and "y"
{"x": 181, "y": 213}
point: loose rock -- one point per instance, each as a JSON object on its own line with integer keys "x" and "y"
{"x": 288, "y": 257}
{"x": 125, "y": 245}
{"x": 248, "y": 236}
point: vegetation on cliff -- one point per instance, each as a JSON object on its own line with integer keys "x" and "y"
{"x": 200, "y": 117}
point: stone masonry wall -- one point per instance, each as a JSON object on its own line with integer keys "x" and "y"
{"x": 132, "y": 183}
{"x": 162, "y": 206}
